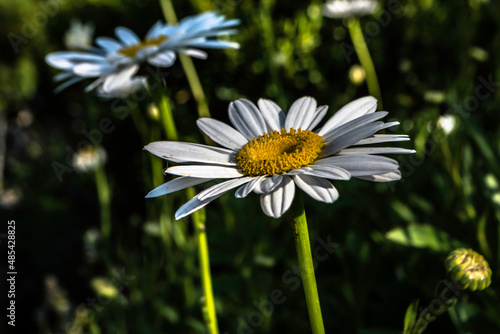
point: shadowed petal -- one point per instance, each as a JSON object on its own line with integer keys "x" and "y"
{"x": 361, "y": 165}
{"x": 195, "y": 203}
{"x": 190, "y": 153}
{"x": 175, "y": 185}
{"x": 247, "y": 118}
{"x": 249, "y": 187}
{"x": 273, "y": 114}
{"x": 353, "y": 110}
{"x": 376, "y": 150}
{"x": 214, "y": 172}
{"x": 301, "y": 113}
{"x": 318, "y": 188}
{"x": 221, "y": 133}
{"x": 275, "y": 204}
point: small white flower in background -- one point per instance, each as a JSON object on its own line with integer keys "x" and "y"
{"x": 269, "y": 153}
{"x": 447, "y": 123}
{"x": 89, "y": 158}
{"x": 79, "y": 35}
{"x": 348, "y": 8}
{"x": 158, "y": 48}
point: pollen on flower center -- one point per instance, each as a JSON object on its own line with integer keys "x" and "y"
{"x": 279, "y": 152}
{"x": 131, "y": 51}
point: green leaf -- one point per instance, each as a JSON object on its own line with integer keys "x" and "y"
{"x": 423, "y": 236}
{"x": 410, "y": 316}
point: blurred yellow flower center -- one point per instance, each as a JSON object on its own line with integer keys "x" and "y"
{"x": 131, "y": 51}
{"x": 279, "y": 152}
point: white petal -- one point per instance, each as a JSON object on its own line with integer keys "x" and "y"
{"x": 299, "y": 171}
{"x": 146, "y": 52}
{"x": 249, "y": 187}
{"x": 318, "y": 116}
{"x": 194, "y": 53}
{"x": 279, "y": 201}
{"x": 154, "y": 30}
{"x": 214, "y": 172}
{"x": 247, "y": 118}
{"x": 390, "y": 124}
{"x": 68, "y": 83}
{"x": 273, "y": 114}
{"x": 361, "y": 165}
{"x": 116, "y": 80}
{"x": 214, "y": 44}
{"x": 127, "y": 36}
{"x": 352, "y": 125}
{"x": 221, "y": 133}
{"x": 222, "y": 188}
{"x": 318, "y": 188}
{"x": 301, "y": 113}
{"x": 350, "y": 138}
{"x": 196, "y": 204}
{"x": 190, "y": 153}
{"x": 164, "y": 59}
{"x": 176, "y": 185}
{"x": 67, "y": 60}
{"x": 329, "y": 172}
{"x": 350, "y": 111}
{"x": 375, "y": 139}
{"x": 387, "y": 177}
{"x": 271, "y": 183}
{"x": 376, "y": 150}
{"x": 108, "y": 44}
{"x": 92, "y": 70}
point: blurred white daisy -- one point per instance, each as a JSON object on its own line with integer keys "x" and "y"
{"x": 348, "y": 8}
{"x": 158, "y": 48}
{"x": 89, "y": 158}
{"x": 79, "y": 35}
{"x": 269, "y": 153}
{"x": 447, "y": 123}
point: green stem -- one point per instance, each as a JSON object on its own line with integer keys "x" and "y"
{"x": 187, "y": 64}
{"x": 167, "y": 118}
{"x": 208, "y": 303}
{"x": 303, "y": 246}
{"x": 364, "y": 58}
{"x": 104, "y": 196}
{"x": 208, "y": 308}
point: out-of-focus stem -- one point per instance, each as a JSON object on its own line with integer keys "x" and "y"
{"x": 104, "y": 196}
{"x": 187, "y": 64}
{"x": 364, "y": 58}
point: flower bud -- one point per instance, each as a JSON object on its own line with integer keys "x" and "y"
{"x": 469, "y": 268}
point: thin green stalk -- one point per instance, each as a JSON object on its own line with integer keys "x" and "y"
{"x": 208, "y": 303}
{"x": 167, "y": 118}
{"x": 266, "y": 23}
{"x": 364, "y": 58}
{"x": 187, "y": 64}
{"x": 303, "y": 246}
{"x": 208, "y": 308}
{"x": 104, "y": 195}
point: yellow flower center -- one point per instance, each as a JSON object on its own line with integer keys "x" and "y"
{"x": 278, "y": 153}
{"x": 131, "y": 51}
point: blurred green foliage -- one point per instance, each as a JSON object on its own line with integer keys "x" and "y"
{"x": 390, "y": 239}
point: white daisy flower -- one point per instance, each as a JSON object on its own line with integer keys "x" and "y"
{"x": 348, "y": 8}
{"x": 158, "y": 48}
{"x": 270, "y": 153}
